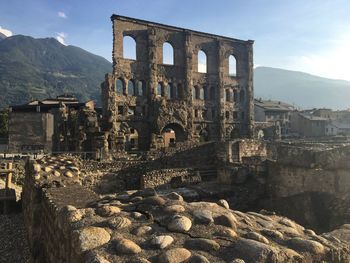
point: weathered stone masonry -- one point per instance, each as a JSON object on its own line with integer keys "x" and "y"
{"x": 149, "y": 97}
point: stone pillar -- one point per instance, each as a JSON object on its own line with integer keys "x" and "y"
{"x": 250, "y": 90}
{"x": 220, "y": 92}
{"x": 188, "y": 82}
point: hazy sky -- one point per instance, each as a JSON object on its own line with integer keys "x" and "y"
{"x": 304, "y": 35}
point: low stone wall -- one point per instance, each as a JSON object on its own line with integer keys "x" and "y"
{"x": 163, "y": 178}
{"x": 46, "y": 198}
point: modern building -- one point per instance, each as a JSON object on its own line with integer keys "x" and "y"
{"x": 275, "y": 113}
{"x": 44, "y": 126}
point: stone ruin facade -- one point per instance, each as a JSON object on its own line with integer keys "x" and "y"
{"x": 148, "y": 104}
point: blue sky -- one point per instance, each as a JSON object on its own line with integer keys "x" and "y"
{"x": 304, "y": 35}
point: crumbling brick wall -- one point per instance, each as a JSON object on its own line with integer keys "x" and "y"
{"x": 149, "y": 96}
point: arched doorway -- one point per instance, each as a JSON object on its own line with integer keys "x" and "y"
{"x": 173, "y": 133}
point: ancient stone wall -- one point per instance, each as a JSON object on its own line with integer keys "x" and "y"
{"x": 313, "y": 181}
{"x": 149, "y": 96}
{"x": 68, "y": 223}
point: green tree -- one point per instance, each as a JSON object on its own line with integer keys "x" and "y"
{"x": 4, "y": 123}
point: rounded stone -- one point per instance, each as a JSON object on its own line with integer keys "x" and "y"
{"x": 138, "y": 215}
{"x": 37, "y": 176}
{"x": 56, "y": 173}
{"x": 90, "y": 238}
{"x": 304, "y": 245}
{"x": 175, "y": 196}
{"x": 237, "y": 260}
{"x": 272, "y": 233}
{"x": 257, "y": 237}
{"x": 119, "y": 222}
{"x": 47, "y": 169}
{"x": 75, "y": 216}
{"x": 174, "y": 209}
{"x": 180, "y": 224}
{"x": 69, "y": 174}
{"x": 203, "y": 216}
{"x": 228, "y": 220}
{"x": 226, "y": 232}
{"x": 153, "y": 200}
{"x": 37, "y": 167}
{"x": 162, "y": 241}
{"x": 223, "y": 203}
{"x": 202, "y": 244}
{"x": 126, "y": 246}
{"x": 175, "y": 255}
{"x": 108, "y": 210}
{"x": 142, "y": 230}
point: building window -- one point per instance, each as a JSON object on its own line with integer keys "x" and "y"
{"x": 129, "y": 48}
{"x": 168, "y": 54}
{"x": 131, "y": 88}
{"x": 228, "y": 95}
{"x": 131, "y": 110}
{"x": 196, "y": 114}
{"x": 202, "y": 62}
{"x": 141, "y": 88}
{"x": 120, "y": 86}
{"x": 160, "y": 89}
{"x": 227, "y": 115}
{"x": 120, "y": 110}
{"x": 201, "y": 93}
{"x": 168, "y": 91}
{"x": 180, "y": 91}
{"x": 232, "y": 66}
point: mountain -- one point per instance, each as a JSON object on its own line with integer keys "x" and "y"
{"x": 301, "y": 89}
{"x": 43, "y": 68}
{"x": 2, "y": 36}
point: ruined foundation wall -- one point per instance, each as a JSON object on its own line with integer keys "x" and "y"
{"x": 46, "y": 209}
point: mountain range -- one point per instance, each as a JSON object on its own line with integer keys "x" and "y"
{"x": 42, "y": 68}
{"x": 301, "y": 89}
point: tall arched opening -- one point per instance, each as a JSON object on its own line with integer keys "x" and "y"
{"x": 173, "y": 133}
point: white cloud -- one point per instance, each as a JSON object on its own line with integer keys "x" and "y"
{"x": 6, "y": 32}
{"x": 61, "y": 37}
{"x": 61, "y": 14}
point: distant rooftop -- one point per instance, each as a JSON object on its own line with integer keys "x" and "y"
{"x": 49, "y": 103}
{"x": 273, "y": 105}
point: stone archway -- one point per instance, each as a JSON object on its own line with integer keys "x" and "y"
{"x": 173, "y": 133}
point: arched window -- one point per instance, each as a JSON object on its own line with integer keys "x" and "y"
{"x": 194, "y": 95}
{"x": 173, "y": 91}
{"x": 232, "y": 66}
{"x": 168, "y": 91}
{"x": 129, "y": 48}
{"x": 141, "y": 88}
{"x": 131, "y": 88}
{"x": 202, "y": 62}
{"x": 212, "y": 93}
{"x": 197, "y": 89}
{"x": 159, "y": 89}
{"x": 206, "y": 93}
{"x": 201, "y": 94}
{"x": 168, "y": 54}
{"x": 228, "y": 94}
{"x": 242, "y": 96}
{"x": 119, "y": 86}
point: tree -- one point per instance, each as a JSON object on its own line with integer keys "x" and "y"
{"x": 4, "y": 123}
